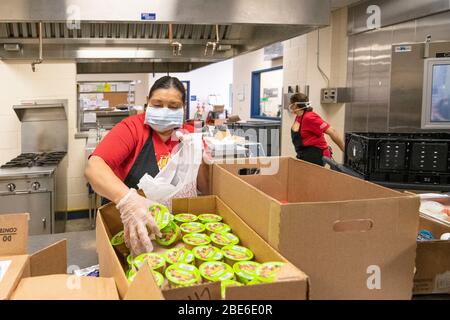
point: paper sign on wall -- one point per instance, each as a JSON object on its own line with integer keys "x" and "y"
{"x": 90, "y": 117}
{"x": 4, "y": 266}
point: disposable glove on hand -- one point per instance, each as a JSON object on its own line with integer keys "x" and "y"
{"x": 137, "y": 222}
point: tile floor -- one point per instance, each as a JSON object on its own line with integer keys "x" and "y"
{"x": 75, "y": 225}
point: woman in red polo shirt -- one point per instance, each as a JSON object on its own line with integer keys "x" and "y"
{"x": 308, "y": 132}
{"x": 138, "y": 145}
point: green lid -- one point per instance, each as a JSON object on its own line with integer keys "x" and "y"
{"x": 217, "y": 227}
{"x": 224, "y": 239}
{"x": 159, "y": 278}
{"x": 228, "y": 283}
{"x": 196, "y": 239}
{"x": 170, "y": 234}
{"x": 209, "y": 217}
{"x": 185, "y": 217}
{"x": 161, "y": 214}
{"x": 118, "y": 239}
{"x": 268, "y": 271}
{"x": 154, "y": 260}
{"x": 237, "y": 253}
{"x": 207, "y": 253}
{"x": 192, "y": 227}
{"x": 183, "y": 274}
{"x": 216, "y": 271}
{"x": 131, "y": 274}
{"x": 254, "y": 281}
{"x": 246, "y": 270}
{"x": 178, "y": 255}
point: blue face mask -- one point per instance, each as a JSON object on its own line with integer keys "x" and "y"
{"x": 164, "y": 119}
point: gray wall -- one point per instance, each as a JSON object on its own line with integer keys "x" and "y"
{"x": 369, "y": 73}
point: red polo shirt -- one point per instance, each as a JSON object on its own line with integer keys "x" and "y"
{"x": 122, "y": 145}
{"x": 313, "y": 129}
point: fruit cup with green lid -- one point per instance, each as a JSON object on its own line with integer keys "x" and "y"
{"x": 236, "y": 253}
{"x": 169, "y": 235}
{"x": 216, "y": 271}
{"x": 221, "y": 240}
{"x": 178, "y": 255}
{"x": 268, "y": 272}
{"x": 192, "y": 240}
{"x": 219, "y": 227}
{"x": 192, "y": 227}
{"x": 246, "y": 271}
{"x": 154, "y": 260}
{"x": 182, "y": 275}
{"x": 118, "y": 242}
{"x": 185, "y": 218}
{"x": 206, "y": 253}
{"x": 209, "y": 217}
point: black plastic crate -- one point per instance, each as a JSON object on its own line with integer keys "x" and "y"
{"x": 422, "y": 158}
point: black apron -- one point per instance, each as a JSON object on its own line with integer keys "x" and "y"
{"x": 310, "y": 154}
{"x": 145, "y": 163}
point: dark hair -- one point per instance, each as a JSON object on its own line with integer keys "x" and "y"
{"x": 168, "y": 82}
{"x": 300, "y": 97}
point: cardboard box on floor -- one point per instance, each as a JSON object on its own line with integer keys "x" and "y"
{"x": 354, "y": 239}
{"x": 41, "y": 275}
{"x": 291, "y": 283}
{"x": 433, "y": 260}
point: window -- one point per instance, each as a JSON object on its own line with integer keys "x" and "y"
{"x": 267, "y": 93}
{"x": 436, "y": 95}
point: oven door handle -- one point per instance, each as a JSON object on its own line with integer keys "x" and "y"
{"x": 23, "y": 192}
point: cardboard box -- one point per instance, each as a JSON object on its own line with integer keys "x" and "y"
{"x": 41, "y": 275}
{"x": 354, "y": 239}
{"x": 291, "y": 284}
{"x": 433, "y": 260}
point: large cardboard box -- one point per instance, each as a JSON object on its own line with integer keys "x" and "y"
{"x": 291, "y": 283}
{"x": 433, "y": 260}
{"x": 41, "y": 275}
{"x": 354, "y": 239}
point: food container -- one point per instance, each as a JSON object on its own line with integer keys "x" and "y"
{"x": 192, "y": 227}
{"x": 215, "y": 271}
{"x": 185, "y": 217}
{"x": 228, "y": 283}
{"x": 192, "y": 240}
{"x": 161, "y": 215}
{"x": 182, "y": 275}
{"x": 245, "y": 271}
{"x": 209, "y": 217}
{"x": 236, "y": 253}
{"x": 267, "y": 272}
{"x": 170, "y": 235}
{"x": 219, "y": 227}
{"x": 206, "y": 253}
{"x": 221, "y": 240}
{"x": 159, "y": 279}
{"x": 178, "y": 255}
{"x": 118, "y": 242}
{"x": 154, "y": 260}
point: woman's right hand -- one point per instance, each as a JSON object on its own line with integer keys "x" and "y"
{"x": 138, "y": 222}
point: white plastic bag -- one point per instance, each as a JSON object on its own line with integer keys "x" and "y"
{"x": 178, "y": 179}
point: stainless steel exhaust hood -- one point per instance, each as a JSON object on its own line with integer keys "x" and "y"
{"x": 114, "y": 36}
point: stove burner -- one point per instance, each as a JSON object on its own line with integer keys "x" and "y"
{"x": 35, "y": 160}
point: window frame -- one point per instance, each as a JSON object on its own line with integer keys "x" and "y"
{"x": 255, "y": 109}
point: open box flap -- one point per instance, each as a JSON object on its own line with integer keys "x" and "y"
{"x": 50, "y": 260}
{"x": 66, "y": 287}
{"x": 13, "y": 269}
{"x": 14, "y": 233}
{"x": 144, "y": 286}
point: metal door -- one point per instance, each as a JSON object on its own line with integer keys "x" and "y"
{"x": 38, "y": 204}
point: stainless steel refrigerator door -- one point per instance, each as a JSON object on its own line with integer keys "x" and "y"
{"x": 38, "y": 204}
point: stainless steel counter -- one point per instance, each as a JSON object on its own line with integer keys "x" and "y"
{"x": 81, "y": 247}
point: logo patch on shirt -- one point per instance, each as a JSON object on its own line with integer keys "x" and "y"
{"x": 323, "y": 126}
